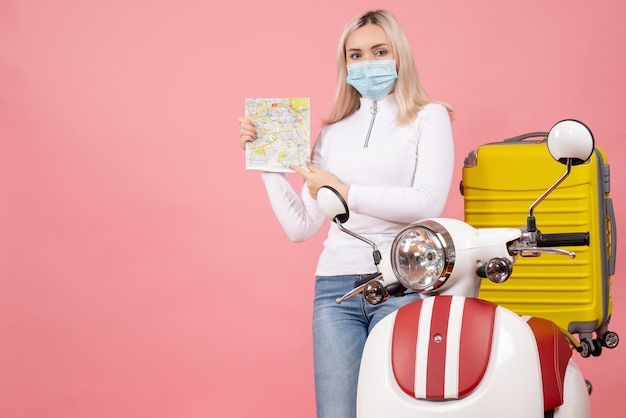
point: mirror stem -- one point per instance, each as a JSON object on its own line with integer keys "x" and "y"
{"x": 531, "y": 218}
{"x": 376, "y": 254}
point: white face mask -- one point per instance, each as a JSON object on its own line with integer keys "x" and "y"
{"x": 373, "y": 79}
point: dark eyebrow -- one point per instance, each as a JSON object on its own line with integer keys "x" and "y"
{"x": 373, "y": 47}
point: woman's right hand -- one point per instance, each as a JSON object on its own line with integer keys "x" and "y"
{"x": 247, "y": 132}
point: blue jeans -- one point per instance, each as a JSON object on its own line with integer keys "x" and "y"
{"x": 339, "y": 334}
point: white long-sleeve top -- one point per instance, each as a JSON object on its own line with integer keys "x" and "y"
{"x": 403, "y": 175}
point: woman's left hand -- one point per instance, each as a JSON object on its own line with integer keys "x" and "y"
{"x": 316, "y": 178}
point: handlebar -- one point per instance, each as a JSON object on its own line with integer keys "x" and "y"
{"x": 366, "y": 278}
{"x": 573, "y": 239}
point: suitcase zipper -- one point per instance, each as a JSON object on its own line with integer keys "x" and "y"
{"x": 373, "y": 111}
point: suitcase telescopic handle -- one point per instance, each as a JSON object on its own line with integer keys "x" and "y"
{"x": 573, "y": 239}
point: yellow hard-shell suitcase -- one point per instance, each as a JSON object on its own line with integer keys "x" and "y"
{"x": 500, "y": 182}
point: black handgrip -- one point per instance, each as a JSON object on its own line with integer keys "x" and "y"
{"x": 396, "y": 289}
{"x": 572, "y": 239}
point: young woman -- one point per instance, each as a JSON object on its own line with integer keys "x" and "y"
{"x": 389, "y": 151}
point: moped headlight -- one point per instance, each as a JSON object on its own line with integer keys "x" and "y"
{"x": 422, "y": 256}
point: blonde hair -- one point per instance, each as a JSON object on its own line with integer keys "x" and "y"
{"x": 409, "y": 92}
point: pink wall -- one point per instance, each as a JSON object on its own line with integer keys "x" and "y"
{"x": 142, "y": 273}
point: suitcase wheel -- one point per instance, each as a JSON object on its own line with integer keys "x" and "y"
{"x": 588, "y": 348}
{"x": 610, "y": 339}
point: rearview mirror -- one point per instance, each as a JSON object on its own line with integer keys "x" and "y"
{"x": 333, "y": 206}
{"x": 570, "y": 140}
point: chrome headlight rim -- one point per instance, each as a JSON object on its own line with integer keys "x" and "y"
{"x": 444, "y": 243}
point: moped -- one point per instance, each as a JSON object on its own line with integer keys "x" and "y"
{"x": 451, "y": 354}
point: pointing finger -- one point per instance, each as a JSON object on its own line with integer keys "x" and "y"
{"x": 299, "y": 170}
